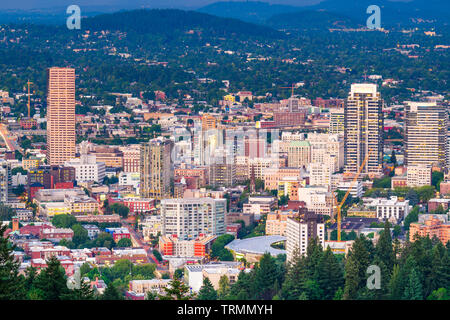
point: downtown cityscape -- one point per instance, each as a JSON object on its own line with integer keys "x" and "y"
{"x": 231, "y": 151}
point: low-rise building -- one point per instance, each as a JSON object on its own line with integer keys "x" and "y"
{"x": 431, "y": 225}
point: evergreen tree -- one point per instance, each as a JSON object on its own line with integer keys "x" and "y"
{"x": 52, "y": 280}
{"x": 224, "y": 287}
{"x": 413, "y": 289}
{"x": 384, "y": 250}
{"x": 295, "y": 278}
{"x": 85, "y": 292}
{"x": 265, "y": 277}
{"x": 207, "y": 291}
{"x": 111, "y": 293}
{"x": 356, "y": 266}
{"x": 176, "y": 290}
{"x": 331, "y": 276}
{"x": 11, "y": 284}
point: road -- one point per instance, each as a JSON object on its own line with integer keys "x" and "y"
{"x": 4, "y": 133}
{"x": 137, "y": 241}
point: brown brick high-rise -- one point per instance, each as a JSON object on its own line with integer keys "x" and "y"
{"x": 60, "y": 115}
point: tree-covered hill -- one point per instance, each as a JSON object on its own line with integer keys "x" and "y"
{"x": 168, "y": 21}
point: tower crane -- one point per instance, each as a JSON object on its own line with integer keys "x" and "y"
{"x": 339, "y": 206}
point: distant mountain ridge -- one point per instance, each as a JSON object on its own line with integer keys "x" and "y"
{"x": 167, "y": 21}
{"x": 251, "y": 11}
{"x": 392, "y": 13}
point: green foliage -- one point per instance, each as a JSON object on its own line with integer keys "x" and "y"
{"x": 436, "y": 178}
{"x": 111, "y": 293}
{"x": 207, "y": 291}
{"x": 120, "y": 209}
{"x": 11, "y": 284}
{"x": 124, "y": 242}
{"x": 384, "y": 182}
{"x": 64, "y": 220}
{"x": 52, "y": 281}
{"x": 413, "y": 216}
{"x": 218, "y": 248}
{"x": 176, "y": 290}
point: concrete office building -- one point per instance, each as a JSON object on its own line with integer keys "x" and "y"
{"x": 363, "y": 130}
{"x": 60, "y": 115}
{"x": 187, "y": 219}
{"x": 425, "y": 134}
{"x": 301, "y": 229}
{"x": 156, "y": 168}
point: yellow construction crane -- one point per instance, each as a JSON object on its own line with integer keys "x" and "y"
{"x": 29, "y": 98}
{"x": 292, "y": 89}
{"x": 339, "y": 206}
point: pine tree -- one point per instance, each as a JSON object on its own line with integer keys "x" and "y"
{"x": 384, "y": 249}
{"x": 85, "y": 292}
{"x": 207, "y": 291}
{"x": 296, "y": 276}
{"x": 356, "y": 266}
{"x": 176, "y": 290}
{"x": 52, "y": 280}
{"x": 224, "y": 287}
{"x": 11, "y": 284}
{"x": 265, "y": 277}
{"x": 111, "y": 293}
{"x": 331, "y": 276}
{"x": 413, "y": 290}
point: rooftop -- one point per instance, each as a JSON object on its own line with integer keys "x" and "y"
{"x": 257, "y": 245}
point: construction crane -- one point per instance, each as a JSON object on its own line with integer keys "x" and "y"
{"x": 339, "y": 206}
{"x": 29, "y": 98}
{"x": 291, "y": 87}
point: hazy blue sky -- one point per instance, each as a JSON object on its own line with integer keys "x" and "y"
{"x": 41, "y": 4}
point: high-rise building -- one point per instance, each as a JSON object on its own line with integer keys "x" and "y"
{"x": 336, "y": 121}
{"x": 301, "y": 229}
{"x": 4, "y": 179}
{"x": 187, "y": 219}
{"x": 363, "y": 130}
{"x": 60, "y": 115}
{"x": 156, "y": 168}
{"x": 425, "y": 134}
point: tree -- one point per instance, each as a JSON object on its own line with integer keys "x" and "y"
{"x": 265, "y": 277}
{"x": 224, "y": 287}
{"x": 384, "y": 250}
{"x": 207, "y": 291}
{"x": 11, "y": 284}
{"x": 80, "y": 235}
{"x": 64, "y": 220}
{"x": 178, "y": 273}
{"x": 413, "y": 289}
{"x": 439, "y": 294}
{"x": 120, "y": 209}
{"x": 52, "y": 280}
{"x": 425, "y": 193}
{"x": 355, "y": 268}
{"x": 85, "y": 292}
{"x": 111, "y": 293}
{"x": 124, "y": 242}
{"x": 331, "y": 277}
{"x": 413, "y": 197}
{"x": 413, "y": 216}
{"x": 436, "y": 178}
{"x": 176, "y": 290}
